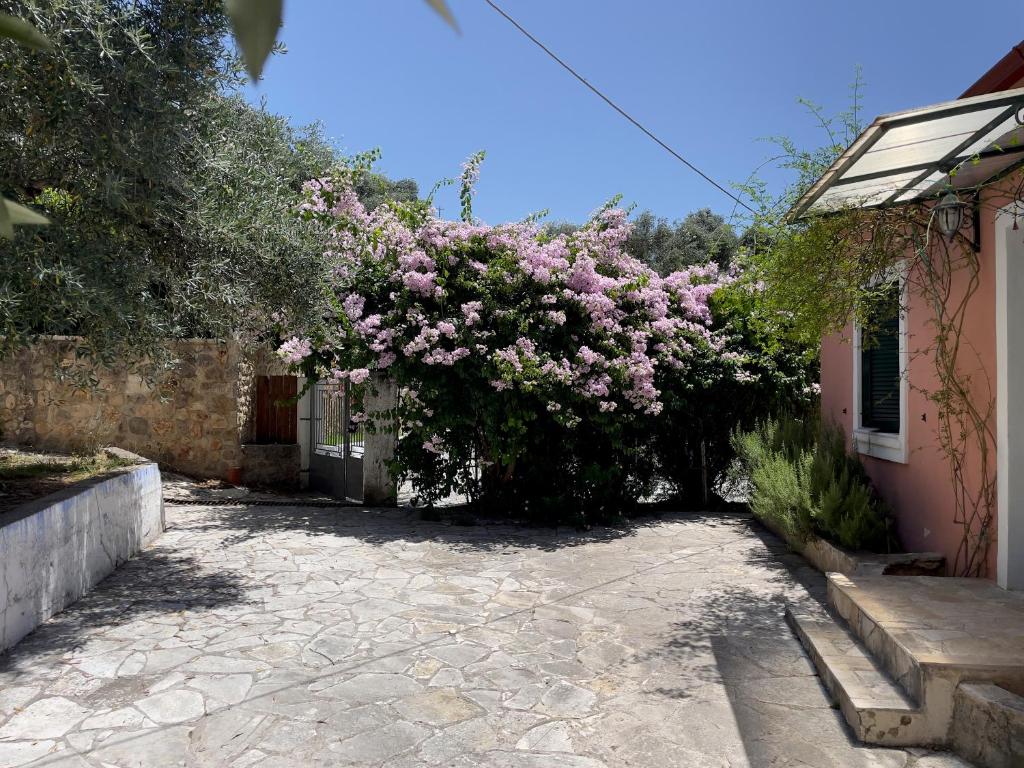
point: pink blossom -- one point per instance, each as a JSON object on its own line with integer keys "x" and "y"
{"x": 295, "y": 350}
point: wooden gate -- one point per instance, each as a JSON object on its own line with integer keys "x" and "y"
{"x": 336, "y": 443}
{"x": 275, "y": 415}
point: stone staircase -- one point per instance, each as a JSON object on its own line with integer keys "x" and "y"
{"x": 898, "y": 648}
{"x": 878, "y": 710}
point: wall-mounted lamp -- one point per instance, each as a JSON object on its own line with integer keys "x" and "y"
{"x": 949, "y": 214}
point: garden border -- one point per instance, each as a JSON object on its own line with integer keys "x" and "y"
{"x": 53, "y": 550}
{"x": 829, "y": 558}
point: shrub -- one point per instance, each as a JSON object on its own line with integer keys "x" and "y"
{"x": 846, "y": 508}
{"x": 804, "y": 481}
{"x": 551, "y": 374}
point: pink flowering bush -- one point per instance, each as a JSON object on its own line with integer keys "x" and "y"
{"x": 535, "y": 370}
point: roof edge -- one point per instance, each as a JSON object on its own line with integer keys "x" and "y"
{"x": 1003, "y": 74}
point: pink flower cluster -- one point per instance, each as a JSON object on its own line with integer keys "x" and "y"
{"x": 572, "y": 319}
{"x": 295, "y": 350}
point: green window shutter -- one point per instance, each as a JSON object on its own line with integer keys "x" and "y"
{"x": 880, "y": 373}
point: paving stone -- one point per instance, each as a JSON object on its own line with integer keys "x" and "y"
{"x": 169, "y": 658}
{"x": 15, "y": 753}
{"x": 44, "y": 719}
{"x": 15, "y": 697}
{"x": 371, "y": 686}
{"x": 381, "y": 744}
{"x": 471, "y": 737}
{"x": 437, "y": 707}
{"x": 144, "y": 749}
{"x": 447, "y": 678}
{"x": 219, "y": 738}
{"x": 126, "y": 717}
{"x": 377, "y": 609}
{"x": 331, "y": 648}
{"x": 221, "y": 690}
{"x": 549, "y": 737}
{"x": 175, "y": 706}
{"x": 307, "y": 638}
{"x": 288, "y": 735}
{"x": 459, "y": 655}
{"x": 567, "y": 700}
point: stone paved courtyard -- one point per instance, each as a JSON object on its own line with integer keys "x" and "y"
{"x": 275, "y": 636}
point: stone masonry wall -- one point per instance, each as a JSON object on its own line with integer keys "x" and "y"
{"x": 194, "y": 420}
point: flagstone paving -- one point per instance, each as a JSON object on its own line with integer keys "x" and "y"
{"x": 271, "y": 636}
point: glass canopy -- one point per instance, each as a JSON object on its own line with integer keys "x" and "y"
{"x": 921, "y": 153}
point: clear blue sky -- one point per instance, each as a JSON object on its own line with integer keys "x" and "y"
{"x": 711, "y": 78}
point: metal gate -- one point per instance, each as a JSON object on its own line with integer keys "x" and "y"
{"x": 336, "y": 450}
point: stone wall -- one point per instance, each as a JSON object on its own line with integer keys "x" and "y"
{"x": 194, "y": 420}
{"x": 273, "y": 465}
{"x": 52, "y": 551}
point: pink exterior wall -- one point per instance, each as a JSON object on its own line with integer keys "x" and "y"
{"x": 921, "y": 491}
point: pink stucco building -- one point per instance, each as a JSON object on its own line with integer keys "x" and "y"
{"x": 880, "y": 396}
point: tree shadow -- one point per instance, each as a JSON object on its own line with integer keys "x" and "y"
{"x": 241, "y": 523}
{"x": 734, "y": 638}
{"x": 156, "y": 582}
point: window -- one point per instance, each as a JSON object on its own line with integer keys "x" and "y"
{"x": 880, "y": 367}
{"x": 880, "y": 385}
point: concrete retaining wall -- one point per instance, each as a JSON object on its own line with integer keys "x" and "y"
{"x": 828, "y": 558}
{"x": 52, "y": 551}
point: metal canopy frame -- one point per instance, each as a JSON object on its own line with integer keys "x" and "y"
{"x": 999, "y": 155}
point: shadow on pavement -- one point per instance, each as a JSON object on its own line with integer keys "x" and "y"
{"x": 382, "y": 526}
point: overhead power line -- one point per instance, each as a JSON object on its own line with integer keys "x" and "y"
{"x": 616, "y": 107}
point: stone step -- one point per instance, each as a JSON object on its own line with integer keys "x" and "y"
{"x": 892, "y": 655}
{"x": 988, "y": 725}
{"x": 878, "y": 710}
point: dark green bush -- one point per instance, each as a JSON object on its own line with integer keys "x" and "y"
{"x": 802, "y": 479}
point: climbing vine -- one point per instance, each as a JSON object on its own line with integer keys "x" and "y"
{"x": 821, "y": 270}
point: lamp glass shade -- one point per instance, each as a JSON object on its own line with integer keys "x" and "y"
{"x": 949, "y": 214}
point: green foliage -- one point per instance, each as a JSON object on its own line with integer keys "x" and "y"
{"x": 781, "y": 492}
{"x": 705, "y": 407}
{"x": 173, "y": 200}
{"x": 103, "y": 125}
{"x": 804, "y": 481}
{"x": 374, "y": 190}
{"x": 818, "y": 270}
{"x": 700, "y": 238}
{"x": 17, "y": 465}
{"x": 546, "y": 375}
{"x": 845, "y": 508}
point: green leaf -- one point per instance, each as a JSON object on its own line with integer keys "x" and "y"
{"x": 22, "y": 215}
{"x": 255, "y": 23}
{"x": 444, "y": 12}
{"x": 6, "y": 227}
{"x": 21, "y": 31}
{"x": 14, "y": 214}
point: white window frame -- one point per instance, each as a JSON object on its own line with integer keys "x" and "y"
{"x": 868, "y": 441}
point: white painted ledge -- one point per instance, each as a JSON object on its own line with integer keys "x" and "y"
{"x": 880, "y": 445}
{"x": 55, "y": 549}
